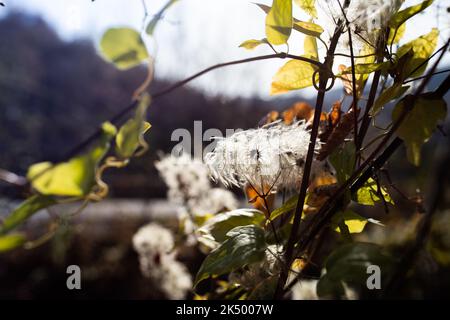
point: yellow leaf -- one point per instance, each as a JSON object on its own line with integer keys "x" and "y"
{"x": 295, "y": 74}
{"x": 403, "y": 15}
{"x": 308, "y": 28}
{"x": 419, "y": 124}
{"x": 391, "y": 93}
{"x": 130, "y": 135}
{"x": 368, "y": 194}
{"x": 354, "y": 222}
{"x": 279, "y": 22}
{"x": 25, "y": 210}
{"x": 310, "y": 48}
{"x": 395, "y": 35}
{"x": 308, "y": 6}
{"x": 422, "y": 49}
{"x": 74, "y": 177}
{"x": 252, "y": 44}
{"x": 123, "y": 47}
{"x": 11, "y": 241}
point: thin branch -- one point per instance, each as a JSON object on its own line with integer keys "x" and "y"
{"x": 372, "y": 94}
{"x": 428, "y": 59}
{"x": 356, "y": 57}
{"x": 354, "y": 104}
{"x": 419, "y": 78}
{"x": 115, "y": 119}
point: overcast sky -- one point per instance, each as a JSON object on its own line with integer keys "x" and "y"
{"x": 195, "y": 34}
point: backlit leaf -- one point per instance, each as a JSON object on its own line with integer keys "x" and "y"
{"x": 354, "y": 222}
{"x": 395, "y": 35}
{"x": 123, "y": 47}
{"x": 308, "y": 28}
{"x": 400, "y": 17}
{"x": 25, "y": 210}
{"x": 391, "y": 93}
{"x": 308, "y": 6}
{"x": 74, "y": 177}
{"x": 279, "y": 22}
{"x": 252, "y": 44}
{"x": 11, "y": 241}
{"x": 419, "y": 124}
{"x": 368, "y": 194}
{"x": 295, "y": 74}
{"x": 129, "y": 137}
{"x": 422, "y": 48}
{"x": 310, "y": 48}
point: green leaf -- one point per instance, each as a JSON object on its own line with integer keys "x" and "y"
{"x": 123, "y": 47}
{"x": 152, "y": 24}
{"x": 348, "y": 265}
{"x": 25, "y": 210}
{"x": 130, "y": 135}
{"x": 294, "y": 75}
{"x": 419, "y": 124}
{"x": 343, "y": 161}
{"x": 391, "y": 93}
{"x": 11, "y": 241}
{"x": 308, "y": 6}
{"x": 422, "y": 47}
{"x": 310, "y": 48}
{"x": 218, "y": 226}
{"x": 75, "y": 177}
{"x": 400, "y": 17}
{"x": 368, "y": 194}
{"x": 245, "y": 245}
{"x": 252, "y": 44}
{"x": 279, "y": 22}
{"x": 308, "y": 28}
{"x": 395, "y": 35}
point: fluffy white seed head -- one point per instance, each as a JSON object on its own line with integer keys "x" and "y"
{"x": 369, "y": 17}
{"x": 267, "y": 157}
{"x": 154, "y": 245}
{"x": 185, "y": 177}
